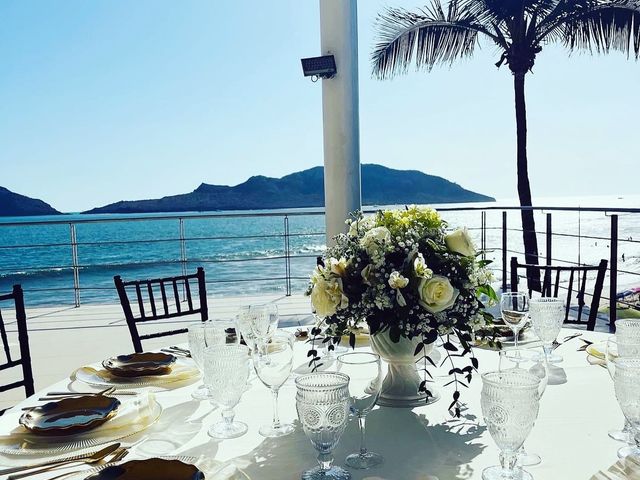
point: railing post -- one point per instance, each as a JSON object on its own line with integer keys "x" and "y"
{"x": 549, "y": 236}
{"x": 183, "y": 255}
{"x": 287, "y": 257}
{"x": 483, "y": 234}
{"x": 504, "y": 251}
{"x": 75, "y": 264}
{"x": 613, "y": 273}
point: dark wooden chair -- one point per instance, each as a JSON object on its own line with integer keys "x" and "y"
{"x": 24, "y": 362}
{"x": 164, "y": 288}
{"x": 551, "y": 285}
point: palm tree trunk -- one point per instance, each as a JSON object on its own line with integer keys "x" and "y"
{"x": 524, "y": 189}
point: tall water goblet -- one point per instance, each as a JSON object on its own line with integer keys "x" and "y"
{"x": 509, "y": 402}
{"x": 206, "y": 334}
{"x": 322, "y": 402}
{"x": 365, "y": 381}
{"x": 226, "y": 370}
{"x": 514, "y": 308}
{"x": 611, "y": 354}
{"x": 243, "y": 327}
{"x": 626, "y": 381}
{"x": 547, "y": 316}
{"x": 628, "y": 337}
{"x": 273, "y": 363}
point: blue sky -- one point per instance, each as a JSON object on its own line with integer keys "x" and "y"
{"x": 105, "y": 100}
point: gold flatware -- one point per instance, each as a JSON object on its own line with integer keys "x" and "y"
{"x": 117, "y": 456}
{"x": 97, "y": 455}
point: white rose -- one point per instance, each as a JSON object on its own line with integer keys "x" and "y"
{"x": 397, "y": 281}
{"x": 338, "y": 267}
{"x": 327, "y": 296}
{"x": 460, "y": 242}
{"x": 375, "y": 238}
{"x": 361, "y": 225}
{"x": 437, "y": 293}
{"x": 420, "y": 267}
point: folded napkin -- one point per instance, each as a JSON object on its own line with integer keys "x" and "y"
{"x": 180, "y": 372}
{"x": 627, "y": 468}
{"x": 134, "y": 415}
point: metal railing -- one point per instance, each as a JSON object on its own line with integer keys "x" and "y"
{"x": 286, "y": 255}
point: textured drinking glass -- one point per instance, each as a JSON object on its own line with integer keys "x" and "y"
{"x": 509, "y": 401}
{"x": 626, "y": 381}
{"x": 628, "y": 337}
{"x": 365, "y": 381}
{"x": 611, "y": 354}
{"x": 547, "y": 316}
{"x": 243, "y": 326}
{"x": 273, "y": 363}
{"x": 206, "y": 334}
{"x": 322, "y": 401}
{"x": 226, "y": 371}
{"x": 514, "y": 308}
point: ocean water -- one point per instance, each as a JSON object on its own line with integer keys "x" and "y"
{"x": 243, "y": 255}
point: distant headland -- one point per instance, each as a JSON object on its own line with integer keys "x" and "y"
{"x": 380, "y": 186}
{"x": 16, "y": 205}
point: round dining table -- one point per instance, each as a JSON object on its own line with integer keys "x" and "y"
{"x": 577, "y": 410}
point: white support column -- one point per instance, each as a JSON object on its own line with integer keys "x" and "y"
{"x": 340, "y": 111}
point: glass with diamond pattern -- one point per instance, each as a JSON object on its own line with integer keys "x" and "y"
{"x": 509, "y": 402}
{"x": 322, "y": 402}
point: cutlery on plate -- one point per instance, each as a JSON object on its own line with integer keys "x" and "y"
{"x": 556, "y": 343}
{"x": 177, "y": 353}
{"x": 179, "y": 349}
{"x": 97, "y": 455}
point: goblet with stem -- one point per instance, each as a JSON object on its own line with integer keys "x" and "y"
{"x": 273, "y": 362}
{"x": 365, "y": 381}
{"x": 626, "y": 381}
{"x": 539, "y": 368}
{"x": 514, "y": 308}
{"x": 611, "y": 353}
{"x": 257, "y": 322}
{"x": 226, "y": 370}
{"x": 509, "y": 402}
{"x": 547, "y": 315}
{"x": 322, "y": 402}
{"x": 202, "y": 335}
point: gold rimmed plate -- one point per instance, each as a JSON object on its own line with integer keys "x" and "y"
{"x": 140, "y": 364}
{"x": 70, "y": 415}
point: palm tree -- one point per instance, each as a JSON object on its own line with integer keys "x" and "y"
{"x": 434, "y": 36}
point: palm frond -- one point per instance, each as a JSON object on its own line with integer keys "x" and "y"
{"x": 612, "y": 25}
{"x": 432, "y": 35}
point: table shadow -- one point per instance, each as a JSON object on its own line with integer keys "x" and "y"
{"x": 412, "y": 446}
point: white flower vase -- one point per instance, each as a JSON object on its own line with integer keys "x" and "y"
{"x": 400, "y": 386}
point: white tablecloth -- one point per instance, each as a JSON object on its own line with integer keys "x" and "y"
{"x": 577, "y": 410}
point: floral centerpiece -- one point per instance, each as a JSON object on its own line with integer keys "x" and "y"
{"x": 411, "y": 282}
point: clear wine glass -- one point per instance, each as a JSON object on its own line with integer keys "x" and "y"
{"x": 257, "y": 323}
{"x": 514, "y": 308}
{"x": 322, "y": 402}
{"x": 626, "y": 381}
{"x": 509, "y": 402}
{"x": 547, "y": 315}
{"x": 226, "y": 370}
{"x": 273, "y": 363}
{"x": 365, "y": 381}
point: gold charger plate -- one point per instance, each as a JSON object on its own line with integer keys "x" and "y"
{"x": 23, "y": 442}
